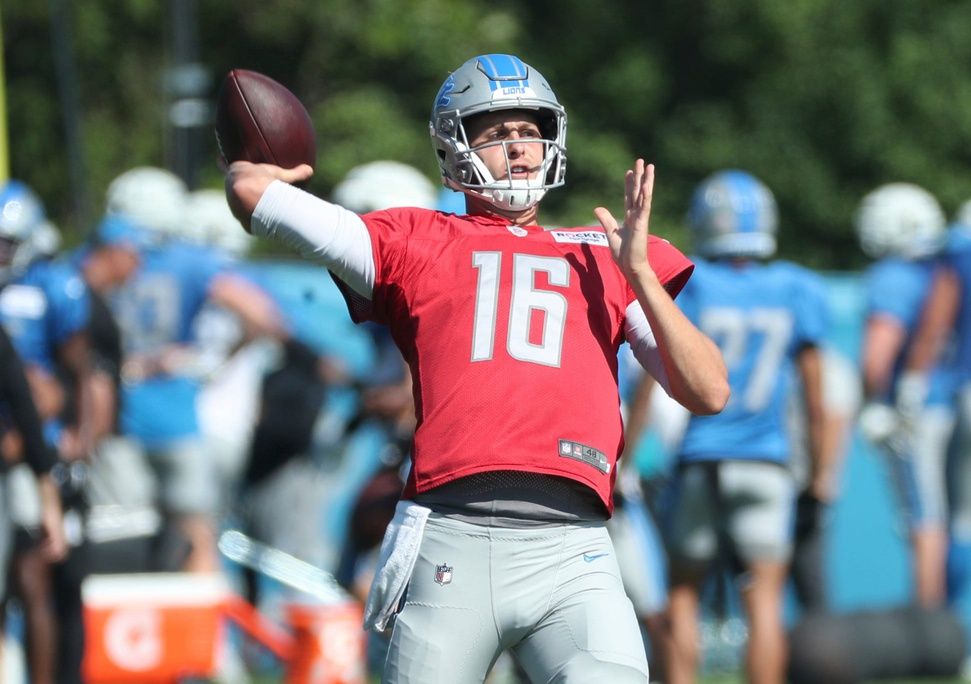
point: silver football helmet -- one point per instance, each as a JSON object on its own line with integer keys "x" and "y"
{"x": 490, "y": 83}
{"x": 900, "y": 219}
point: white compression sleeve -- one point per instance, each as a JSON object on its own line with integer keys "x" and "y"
{"x": 641, "y": 339}
{"x": 318, "y": 229}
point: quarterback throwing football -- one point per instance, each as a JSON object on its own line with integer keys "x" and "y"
{"x": 511, "y": 332}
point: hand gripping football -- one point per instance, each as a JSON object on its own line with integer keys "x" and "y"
{"x": 259, "y": 120}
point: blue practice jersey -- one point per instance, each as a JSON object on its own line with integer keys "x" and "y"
{"x": 42, "y": 308}
{"x": 761, "y": 316}
{"x": 958, "y": 257}
{"x": 155, "y": 309}
{"x": 897, "y": 288}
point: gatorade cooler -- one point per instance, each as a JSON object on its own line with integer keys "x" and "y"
{"x": 329, "y": 643}
{"x": 152, "y": 628}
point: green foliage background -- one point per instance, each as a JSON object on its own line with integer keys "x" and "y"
{"x": 822, "y": 99}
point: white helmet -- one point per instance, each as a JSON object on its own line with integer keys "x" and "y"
{"x": 152, "y": 198}
{"x": 491, "y": 83}
{"x": 900, "y": 219}
{"x": 21, "y": 216}
{"x": 382, "y": 185}
{"x": 210, "y": 221}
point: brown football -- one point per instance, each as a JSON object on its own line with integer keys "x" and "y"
{"x": 259, "y": 120}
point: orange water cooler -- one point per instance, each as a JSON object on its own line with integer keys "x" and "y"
{"x": 329, "y": 643}
{"x": 152, "y": 628}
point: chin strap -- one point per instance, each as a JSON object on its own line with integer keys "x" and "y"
{"x": 514, "y": 198}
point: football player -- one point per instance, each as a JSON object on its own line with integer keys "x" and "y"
{"x": 944, "y": 334}
{"x": 232, "y": 368}
{"x": 733, "y": 492}
{"x": 161, "y": 373}
{"x": 902, "y": 227}
{"x": 511, "y": 332}
{"x": 44, "y": 308}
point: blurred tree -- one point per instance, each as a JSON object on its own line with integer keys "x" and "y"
{"x": 822, "y": 99}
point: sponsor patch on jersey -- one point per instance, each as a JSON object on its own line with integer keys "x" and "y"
{"x": 584, "y": 237}
{"x": 584, "y": 453}
{"x": 23, "y": 301}
{"x": 443, "y": 574}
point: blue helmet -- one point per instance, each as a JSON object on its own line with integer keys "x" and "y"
{"x": 21, "y": 216}
{"x": 733, "y": 214}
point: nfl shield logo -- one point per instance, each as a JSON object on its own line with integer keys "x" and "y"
{"x": 443, "y": 574}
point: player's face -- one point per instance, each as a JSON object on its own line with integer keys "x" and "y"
{"x": 124, "y": 262}
{"x": 503, "y": 134}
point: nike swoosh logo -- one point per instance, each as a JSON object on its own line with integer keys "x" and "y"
{"x": 589, "y": 557}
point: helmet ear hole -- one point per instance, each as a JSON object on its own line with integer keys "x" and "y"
{"x": 547, "y": 125}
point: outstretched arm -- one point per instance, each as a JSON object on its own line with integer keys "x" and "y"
{"x": 695, "y": 370}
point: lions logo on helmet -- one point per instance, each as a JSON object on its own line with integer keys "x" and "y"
{"x": 490, "y": 83}
{"x": 21, "y": 216}
{"x": 733, "y": 214}
{"x": 900, "y": 219}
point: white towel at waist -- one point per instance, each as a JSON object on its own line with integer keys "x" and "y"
{"x": 399, "y": 550}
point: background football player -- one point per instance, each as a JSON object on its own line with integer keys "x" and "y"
{"x": 733, "y": 492}
{"x": 909, "y": 416}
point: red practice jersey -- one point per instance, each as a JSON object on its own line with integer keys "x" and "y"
{"x": 512, "y": 335}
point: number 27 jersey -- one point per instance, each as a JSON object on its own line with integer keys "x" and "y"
{"x": 761, "y": 316}
{"x": 511, "y": 334}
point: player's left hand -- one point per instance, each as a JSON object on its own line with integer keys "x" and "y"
{"x": 54, "y": 546}
{"x": 628, "y": 241}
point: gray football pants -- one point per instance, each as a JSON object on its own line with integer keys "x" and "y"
{"x": 552, "y": 596}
